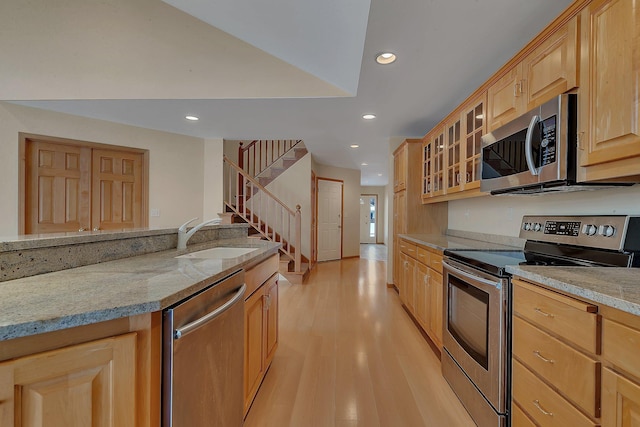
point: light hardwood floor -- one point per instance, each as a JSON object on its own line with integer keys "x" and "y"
{"x": 350, "y": 356}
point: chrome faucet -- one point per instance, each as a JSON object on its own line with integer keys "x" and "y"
{"x": 184, "y": 235}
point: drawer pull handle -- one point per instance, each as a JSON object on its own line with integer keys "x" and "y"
{"x": 537, "y": 353}
{"x": 536, "y": 403}
{"x": 537, "y": 310}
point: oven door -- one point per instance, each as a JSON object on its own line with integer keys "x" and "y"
{"x": 475, "y": 323}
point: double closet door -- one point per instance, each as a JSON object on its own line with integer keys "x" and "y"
{"x": 78, "y": 187}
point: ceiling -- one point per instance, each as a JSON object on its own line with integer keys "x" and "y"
{"x": 287, "y": 70}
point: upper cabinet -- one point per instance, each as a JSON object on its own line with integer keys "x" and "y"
{"x": 548, "y": 70}
{"x": 451, "y": 154}
{"x": 608, "y": 127}
{"x": 400, "y": 169}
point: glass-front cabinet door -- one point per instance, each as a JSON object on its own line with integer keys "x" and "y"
{"x": 474, "y": 117}
{"x": 427, "y": 168}
{"x": 453, "y": 157}
{"x": 438, "y": 164}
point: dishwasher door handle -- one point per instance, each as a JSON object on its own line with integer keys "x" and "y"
{"x": 190, "y": 327}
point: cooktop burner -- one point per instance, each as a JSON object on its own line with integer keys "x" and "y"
{"x": 585, "y": 241}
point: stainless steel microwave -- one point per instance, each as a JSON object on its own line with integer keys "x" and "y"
{"x": 533, "y": 153}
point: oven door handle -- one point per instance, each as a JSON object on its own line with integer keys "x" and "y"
{"x": 190, "y": 327}
{"x": 528, "y": 145}
{"x": 493, "y": 284}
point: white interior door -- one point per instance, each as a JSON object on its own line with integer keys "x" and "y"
{"x": 329, "y": 220}
{"x": 367, "y": 219}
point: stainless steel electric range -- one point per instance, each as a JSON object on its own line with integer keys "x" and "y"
{"x": 477, "y": 331}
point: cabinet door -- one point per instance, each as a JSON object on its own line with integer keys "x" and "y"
{"x": 474, "y": 127}
{"x": 552, "y": 68}
{"x": 422, "y": 292}
{"x": 271, "y": 319}
{"x": 410, "y": 274}
{"x": 453, "y": 146}
{"x": 253, "y": 345}
{"x": 620, "y": 400}
{"x": 435, "y": 308}
{"x": 90, "y": 384}
{"x": 57, "y": 187}
{"x": 505, "y": 99}
{"x": 427, "y": 169}
{"x": 400, "y": 169}
{"x": 610, "y": 70}
{"x": 117, "y": 190}
{"x": 438, "y": 165}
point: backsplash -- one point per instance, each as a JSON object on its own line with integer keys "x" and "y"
{"x": 502, "y": 215}
{"x": 23, "y": 257}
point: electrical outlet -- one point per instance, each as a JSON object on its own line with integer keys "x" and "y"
{"x": 155, "y": 212}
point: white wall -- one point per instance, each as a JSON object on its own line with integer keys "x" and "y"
{"x": 381, "y": 192}
{"x": 176, "y": 170}
{"x": 502, "y": 214}
{"x": 213, "y": 178}
{"x": 293, "y": 187}
{"x": 350, "y": 205}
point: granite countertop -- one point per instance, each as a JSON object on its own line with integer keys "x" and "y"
{"x": 615, "y": 287}
{"x": 115, "y": 289}
{"x": 442, "y": 242}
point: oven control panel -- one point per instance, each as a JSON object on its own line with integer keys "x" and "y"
{"x": 616, "y": 232}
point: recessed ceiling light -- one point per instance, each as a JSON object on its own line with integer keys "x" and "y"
{"x": 364, "y": 164}
{"x": 354, "y": 146}
{"x": 369, "y": 116}
{"x": 192, "y": 118}
{"x": 379, "y": 174}
{"x": 386, "y": 58}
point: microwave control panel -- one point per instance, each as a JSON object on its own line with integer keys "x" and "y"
{"x": 548, "y": 141}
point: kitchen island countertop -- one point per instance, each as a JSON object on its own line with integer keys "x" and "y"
{"x": 115, "y": 289}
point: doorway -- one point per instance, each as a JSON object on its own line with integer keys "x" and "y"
{"x": 368, "y": 218}
{"x": 329, "y": 219}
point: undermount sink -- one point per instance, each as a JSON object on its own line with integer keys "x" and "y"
{"x": 219, "y": 253}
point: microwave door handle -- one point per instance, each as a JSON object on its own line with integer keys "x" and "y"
{"x": 528, "y": 145}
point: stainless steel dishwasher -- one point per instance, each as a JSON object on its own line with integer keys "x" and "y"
{"x": 203, "y": 356}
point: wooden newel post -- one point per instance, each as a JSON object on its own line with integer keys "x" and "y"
{"x": 240, "y": 189}
{"x": 298, "y": 254}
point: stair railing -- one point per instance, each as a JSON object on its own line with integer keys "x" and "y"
{"x": 259, "y": 154}
{"x": 264, "y": 212}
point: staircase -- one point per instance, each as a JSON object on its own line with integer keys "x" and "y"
{"x": 269, "y": 217}
{"x": 266, "y": 159}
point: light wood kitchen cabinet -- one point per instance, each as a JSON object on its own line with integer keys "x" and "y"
{"x": 556, "y": 366}
{"x": 621, "y": 376}
{"x": 91, "y": 384}
{"x": 474, "y": 119}
{"x": 421, "y": 287}
{"x": 409, "y": 214}
{"x": 400, "y": 160}
{"x": 451, "y": 157}
{"x": 549, "y": 70}
{"x": 103, "y": 374}
{"x": 609, "y": 133}
{"x": 261, "y": 325}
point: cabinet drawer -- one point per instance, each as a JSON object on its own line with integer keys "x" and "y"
{"x": 424, "y": 256}
{"x": 620, "y": 346}
{"x": 519, "y": 418}
{"x": 570, "y": 371}
{"x": 573, "y": 320}
{"x": 436, "y": 262}
{"x": 546, "y": 407}
{"x": 408, "y": 248}
{"x": 256, "y": 276}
